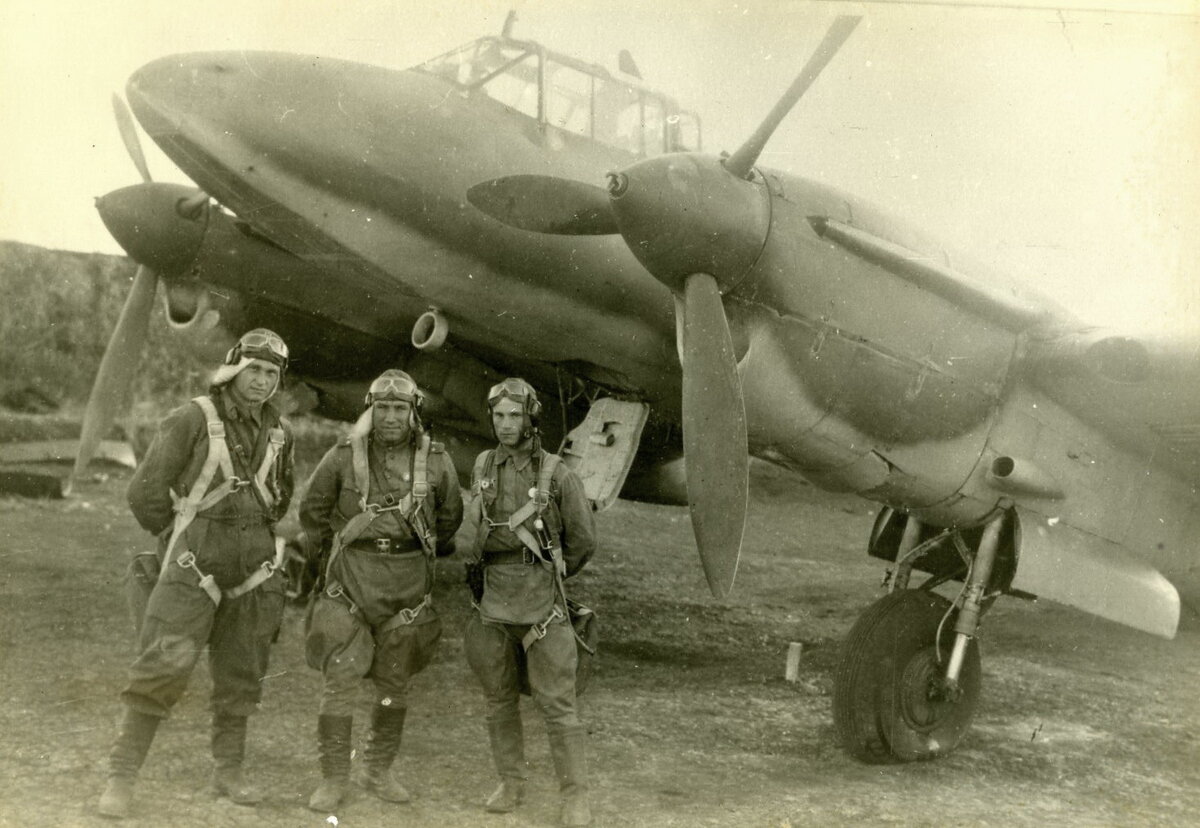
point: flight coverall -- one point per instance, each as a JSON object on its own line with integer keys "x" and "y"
{"x": 231, "y": 541}
{"x": 519, "y": 592}
{"x": 373, "y": 617}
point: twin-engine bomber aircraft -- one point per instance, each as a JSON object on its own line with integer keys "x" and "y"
{"x": 693, "y": 311}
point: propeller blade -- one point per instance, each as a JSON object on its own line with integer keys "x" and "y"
{"x": 111, "y": 388}
{"x": 714, "y": 433}
{"x": 743, "y": 159}
{"x": 545, "y": 204}
{"x": 129, "y": 135}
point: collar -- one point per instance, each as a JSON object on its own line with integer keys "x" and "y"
{"x": 383, "y": 448}
{"x": 520, "y": 454}
{"x": 235, "y": 412}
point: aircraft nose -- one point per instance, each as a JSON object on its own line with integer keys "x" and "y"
{"x": 164, "y": 91}
{"x": 145, "y": 220}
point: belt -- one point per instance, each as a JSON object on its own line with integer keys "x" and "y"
{"x": 254, "y": 518}
{"x": 513, "y": 556}
{"x": 386, "y": 546}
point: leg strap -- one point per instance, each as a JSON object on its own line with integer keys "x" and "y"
{"x": 538, "y": 631}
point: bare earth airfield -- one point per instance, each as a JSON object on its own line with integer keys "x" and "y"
{"x": 1082, "y": 722}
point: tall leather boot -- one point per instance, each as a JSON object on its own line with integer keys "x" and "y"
{"x": 508, "y": 752}
{"x": 333, "y": 745}
{"x": 229, "y": 750}
{"x": 387, "y": 726}
{"x": 134, "y": 737}
{"x": 567, "y": 748}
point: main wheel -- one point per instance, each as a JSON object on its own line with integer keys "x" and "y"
{"x": 890, "y": 700}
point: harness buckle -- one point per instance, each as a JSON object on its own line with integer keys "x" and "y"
{"x": 236, "y": 483}
{"x": 383, "y": 545}
{"x": 389, "y": 499}
{"x": 538, "y": 631}
{"x": 408, "y": 616}
{"x": 188, "y": 561}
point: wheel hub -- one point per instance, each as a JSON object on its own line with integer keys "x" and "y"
{"x": 926, "y": 698}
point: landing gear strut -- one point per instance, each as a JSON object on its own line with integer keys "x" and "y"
{"x": 908, "y": 680}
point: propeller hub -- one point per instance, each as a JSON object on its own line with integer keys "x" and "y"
{"x": 683, "y": 213}
{"x": 145, "y": 221}
{"x": 618, "y": 184}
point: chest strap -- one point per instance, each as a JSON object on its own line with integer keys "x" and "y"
{"x": 199, "y": 498}
{"x": 409, "y": 508}
{"x": 537, "y": 539}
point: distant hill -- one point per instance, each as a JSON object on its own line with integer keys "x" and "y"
{"x": 58, "y": 310}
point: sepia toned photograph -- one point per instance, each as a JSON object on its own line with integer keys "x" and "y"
{"x": 528, "y": 413}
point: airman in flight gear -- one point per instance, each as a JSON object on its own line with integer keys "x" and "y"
{"x": 380, "y": 507}
{"x": 212, "y": 485}
{"x": 534, "y": 529}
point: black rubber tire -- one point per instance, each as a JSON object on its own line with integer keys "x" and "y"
{"x": 881, "y": 706}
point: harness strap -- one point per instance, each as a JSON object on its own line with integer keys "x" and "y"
{"x": 199, "y": 499}
{"x": 275, "y": 440}
{"x": 409, "y": 507}
{"x": 412, "y": 504}
{"x": 406, "y": 616}
{"x": 537, "y": 503}
{"x": 258, "y": 577}
{"x": 403, "y": 618}
{"x": 484, "y": 463}
{"x": 538, "y": 631}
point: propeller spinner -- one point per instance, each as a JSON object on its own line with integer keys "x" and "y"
{"x": 697, "y": 224}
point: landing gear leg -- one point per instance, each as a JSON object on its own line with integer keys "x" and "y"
{"x": 908, "y": 681}
{"x": 967, "y": 621}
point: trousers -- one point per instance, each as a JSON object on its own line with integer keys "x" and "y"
{"x": 492, "y": 650}
{"x": 181, "y": 620}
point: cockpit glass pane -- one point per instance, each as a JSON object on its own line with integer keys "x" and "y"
{"x": 592, "y": 104}
{"x": 618, "y": 115}
{"x": 568, "y": 98}
{"x": 503, "y": 72}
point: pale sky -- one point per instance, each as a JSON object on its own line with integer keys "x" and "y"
{"x": 1059, "y": 145}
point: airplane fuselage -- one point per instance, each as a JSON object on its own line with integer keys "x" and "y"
{"x": 862, "y": 380}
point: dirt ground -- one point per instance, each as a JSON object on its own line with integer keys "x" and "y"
{"x": 692, "y": 723}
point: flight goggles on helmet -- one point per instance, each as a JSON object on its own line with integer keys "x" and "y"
{"x": 259, "y": 343}
{"x": 394, "y": 385}
{"x": 518, "y": 390}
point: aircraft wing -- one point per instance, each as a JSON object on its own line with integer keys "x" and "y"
{"x": 1142, "y": 392}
